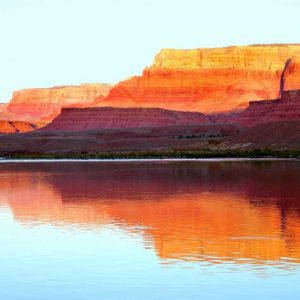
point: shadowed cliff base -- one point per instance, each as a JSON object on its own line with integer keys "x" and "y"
{"x": 271, "y": 139}
{"x": 16, "y": 126}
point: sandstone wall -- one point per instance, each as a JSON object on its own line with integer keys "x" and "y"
{"x": 46, "y": 103}
{"x": 209, "y": 80}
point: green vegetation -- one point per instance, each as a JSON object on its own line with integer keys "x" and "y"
{"x": 199, "y": 136}
{"x": 204, "y": 153}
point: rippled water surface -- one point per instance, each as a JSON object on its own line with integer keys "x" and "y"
{"x": 150, "y": 230}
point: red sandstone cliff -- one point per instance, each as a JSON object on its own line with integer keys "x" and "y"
{"x": 285, "y": 108}
{"x": 209, "y": 80}
{"x": 46, "y": 103}
{"x": 75, "y": 119}
{"x": 78, "y": 119}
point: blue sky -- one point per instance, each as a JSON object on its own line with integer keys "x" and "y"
{"x": 56, "y": 42}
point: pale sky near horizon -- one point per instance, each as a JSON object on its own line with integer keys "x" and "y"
{"x": 58, "y": 42}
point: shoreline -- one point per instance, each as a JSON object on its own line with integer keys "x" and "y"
{"x": 148, "y": 160}
{"x": 204, "y": 154}
{"x": 120, "y": 160}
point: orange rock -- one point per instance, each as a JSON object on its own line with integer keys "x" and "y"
{"x": 293, "y": 78}
{"x": 16, "y": 126}
{"x": 217, "y": 213}
{"x": 209, "y": 80}
{"x": 207, "y": 226}
{"x": 2, "y": 107}
{"x": 46, "y": 103}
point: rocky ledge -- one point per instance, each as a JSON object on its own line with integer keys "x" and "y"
{"x": 285, "y": 108}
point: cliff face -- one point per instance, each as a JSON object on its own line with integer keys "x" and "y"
{"x": 16, "y": 126}
{"x": 206, "y": 80}
{"x": 46, "y": 103}
{"x": 9, "y": 125}
{"x": 76, "y": 119}
{"x": 209, "y": 80}
{"x": 285, "y": 108}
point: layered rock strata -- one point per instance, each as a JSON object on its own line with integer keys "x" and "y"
{"x": 16, "y": 126}
{"x": 46, "y": 103}
{"x": 210, "y": 80}
{"x": 76, "y": 119}
{"x": 285, "y": 108}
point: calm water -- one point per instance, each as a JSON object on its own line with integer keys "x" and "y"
{"x": 150, "y": 230}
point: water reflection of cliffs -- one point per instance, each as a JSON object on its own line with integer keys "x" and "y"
{"x": 190, "y": 211}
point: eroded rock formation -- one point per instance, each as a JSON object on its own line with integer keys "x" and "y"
{"x": 200, "y": 80}
{"x": 16, "y": 126}
{"x": 78, "y": 119}
{"x": 46, "y": 103}
{"x": 285, "y": 108}
{"x": 209, "y": 80}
